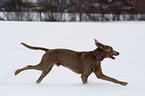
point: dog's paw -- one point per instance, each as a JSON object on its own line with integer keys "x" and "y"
{"x": 123, "y": 83}
{"x": 17, "y": 72}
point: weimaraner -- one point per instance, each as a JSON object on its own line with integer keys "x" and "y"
{"x": 83, "y": 63}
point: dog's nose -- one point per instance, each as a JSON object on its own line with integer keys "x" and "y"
{"x": 118, "y": 53}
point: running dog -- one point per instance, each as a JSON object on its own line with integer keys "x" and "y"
{"x": 83, "y": 63}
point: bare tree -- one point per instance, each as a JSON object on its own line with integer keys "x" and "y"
{"x": 52, "y": 10}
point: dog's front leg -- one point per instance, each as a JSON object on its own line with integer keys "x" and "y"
{"x": 100, "y": 75}
{"x": 87, "y": 71}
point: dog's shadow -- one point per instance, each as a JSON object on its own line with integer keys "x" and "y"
{"x": 88, "y": 85}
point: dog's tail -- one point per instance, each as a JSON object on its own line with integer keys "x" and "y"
{"x": 35, "y": 48}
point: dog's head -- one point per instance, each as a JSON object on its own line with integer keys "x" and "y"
{"x": 106, "y": 51}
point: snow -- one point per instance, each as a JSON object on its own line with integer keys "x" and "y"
{"x": 126, "y": 37}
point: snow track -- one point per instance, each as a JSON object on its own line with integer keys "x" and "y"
{"x": 126, "y": 37}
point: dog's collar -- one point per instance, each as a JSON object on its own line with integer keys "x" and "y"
{"x": 97, "y": 56}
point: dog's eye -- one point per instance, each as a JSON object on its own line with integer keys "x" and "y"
{"x": 107, "y": 47}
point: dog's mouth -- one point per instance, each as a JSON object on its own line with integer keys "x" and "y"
{"x": 112, "y": 56}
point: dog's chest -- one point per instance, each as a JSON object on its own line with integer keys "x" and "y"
{"x": 96, "y": 65}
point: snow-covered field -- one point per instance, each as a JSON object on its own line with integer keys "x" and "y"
{"x": 126, "y": 37}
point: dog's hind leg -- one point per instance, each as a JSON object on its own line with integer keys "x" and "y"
{"x": 26, "y": 68}
{"x": 44, "y": 73}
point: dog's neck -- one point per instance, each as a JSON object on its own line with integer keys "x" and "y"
{"x": 98, "y": 53}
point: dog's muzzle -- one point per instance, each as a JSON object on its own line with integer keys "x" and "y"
{"x": 115, "y": 53}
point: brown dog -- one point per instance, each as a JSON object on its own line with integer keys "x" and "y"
{"x": 80, "y": 62}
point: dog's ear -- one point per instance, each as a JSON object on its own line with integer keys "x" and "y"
{"x": 99, "y": 45}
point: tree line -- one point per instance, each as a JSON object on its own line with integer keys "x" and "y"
{"x": 73, "y": 10}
